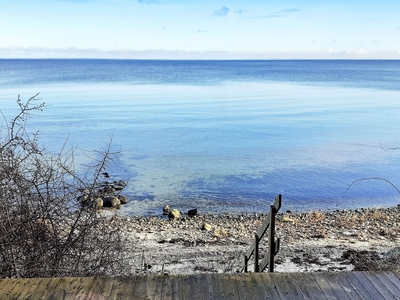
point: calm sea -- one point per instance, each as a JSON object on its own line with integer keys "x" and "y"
{"x": 223, "y": 136}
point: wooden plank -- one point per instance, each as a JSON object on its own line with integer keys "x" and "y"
{"x": 367, "y": 285}
{"x": 225, "y": 288}
{"x": 281, "y": 285}
{"x": 177, "y": 287}
{"x": 393, "y": 278}
{"x": 3, "y": 282}
{"x": 141, "y": 287}
{"x": 83, "y": 288}
{"x": 265, "y": 261}
{"x": 246, "y": 284}
{"x": 302, "y": 285}
{"x": 237, "y": 286}
{"x": 356, "y": 284}
{"x": 29, "y": 287}
{"x": 313, "y": 286}
{"x": 154, "y": 286}
{"x": 100, "y": 288}
{"x": 345, "y": 284}
{"x": 46, "y": 288}
{"x": 258, "y": 284}
{"x": 278, "y": 202}
{"x": 250, "y": 251}
{"x": 195, "y": 286}
{"x": 251, "y": 287}
{"x": 270, "y": 286}
{"x": 215, "y": 289}
{"x": 228, "y": 288}
{"x": 128, "y": 285}
{"x": 8, "y": 288}
{"x": 294, "y": 290}
{"x": 60, "y": 288}
{"x": 18, "y": 288}
{"x": 325, "y": 286}
{"x": 169, "y": 291}
{"x": 389, "y": 285}
{"x": 335, "y": 285}
{"x": 265, "y": 224}
{"x": 382, "y": 289}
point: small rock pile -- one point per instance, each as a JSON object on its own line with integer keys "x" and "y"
{"x": 106, "y": 195}
{"x": 176, "y": 214}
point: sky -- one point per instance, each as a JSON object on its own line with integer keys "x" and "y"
{"x": 204, "y": 29}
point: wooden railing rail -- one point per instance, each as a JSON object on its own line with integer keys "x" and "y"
{"x": 273, "y": 244}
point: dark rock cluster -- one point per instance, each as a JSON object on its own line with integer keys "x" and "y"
{"x": 106, "y": 195}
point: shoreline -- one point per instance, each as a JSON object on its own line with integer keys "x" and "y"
{"x": 315, "y": 241}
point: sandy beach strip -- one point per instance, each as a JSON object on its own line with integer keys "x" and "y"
{"x": 315, "y": 241}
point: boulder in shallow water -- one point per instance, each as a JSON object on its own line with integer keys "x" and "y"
{"x": 98, "y": 203}
{"x": 192, "y": 212}
{"x": 174, "y": 214}
{"x": 166, "y": 210}
{"x": 123, "y": 199}
{"x": 113, "y": 202}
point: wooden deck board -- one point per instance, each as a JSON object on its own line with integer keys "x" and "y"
{"x": 28, "y": 288}
{"x": 169, "y": 291}
{"x": 197, "y": 286}
{"x": 379, "y": 285}
{"x": 347, "y": 287}
{"x": 357, "y": 285}
{"x": 60, "y": 289}
{"x": 270, "y": 287}
{"x": 338, "y": 290}
{"x": 368, "y": 285}
{"x": 281, "y": 286}
{"x": 237, "y": 286}
{"x": 259, "y": 285}
{"x": 227, "y": 286}
{"x": 215, "y": 292}
{"x": 325, "y": 286}
{"x": 314, "y": 287}
{"x": 302, "y": 286}
{"x": 388, "y": 284}
{"x": 294, "y": 290}
{"x": 394, "y": 279}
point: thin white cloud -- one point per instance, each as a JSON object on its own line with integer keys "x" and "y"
{"x": 201, "y": 31}
{"x": 222, "y": 12}
{"x": 79, "y": 1}
{"x": 279, "y": 14}
{"x": 290, "y": 10}
{"x": 38, "y": 52}
{"x": 148, "y": 1}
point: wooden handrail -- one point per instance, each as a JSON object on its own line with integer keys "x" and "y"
{"x": 273, "y": 243}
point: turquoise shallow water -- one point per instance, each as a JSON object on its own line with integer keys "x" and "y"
{"x": 224, "y": 136}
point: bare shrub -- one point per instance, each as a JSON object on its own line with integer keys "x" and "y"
{"x": 45, "y": 231}
{"x": 371, "y": 260}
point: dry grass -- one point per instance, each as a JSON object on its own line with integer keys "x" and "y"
{"x": 315, "y": 217}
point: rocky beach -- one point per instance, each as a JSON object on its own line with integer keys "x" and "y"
{"x": 362, "y": 239}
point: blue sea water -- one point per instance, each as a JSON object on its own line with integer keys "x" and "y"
{"x": 223, "y": 136}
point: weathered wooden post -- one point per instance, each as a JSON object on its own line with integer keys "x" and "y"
{"x": 246, "y": 261}
{"x": 271, "y": 242}
{"x": 256, "y": 251}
